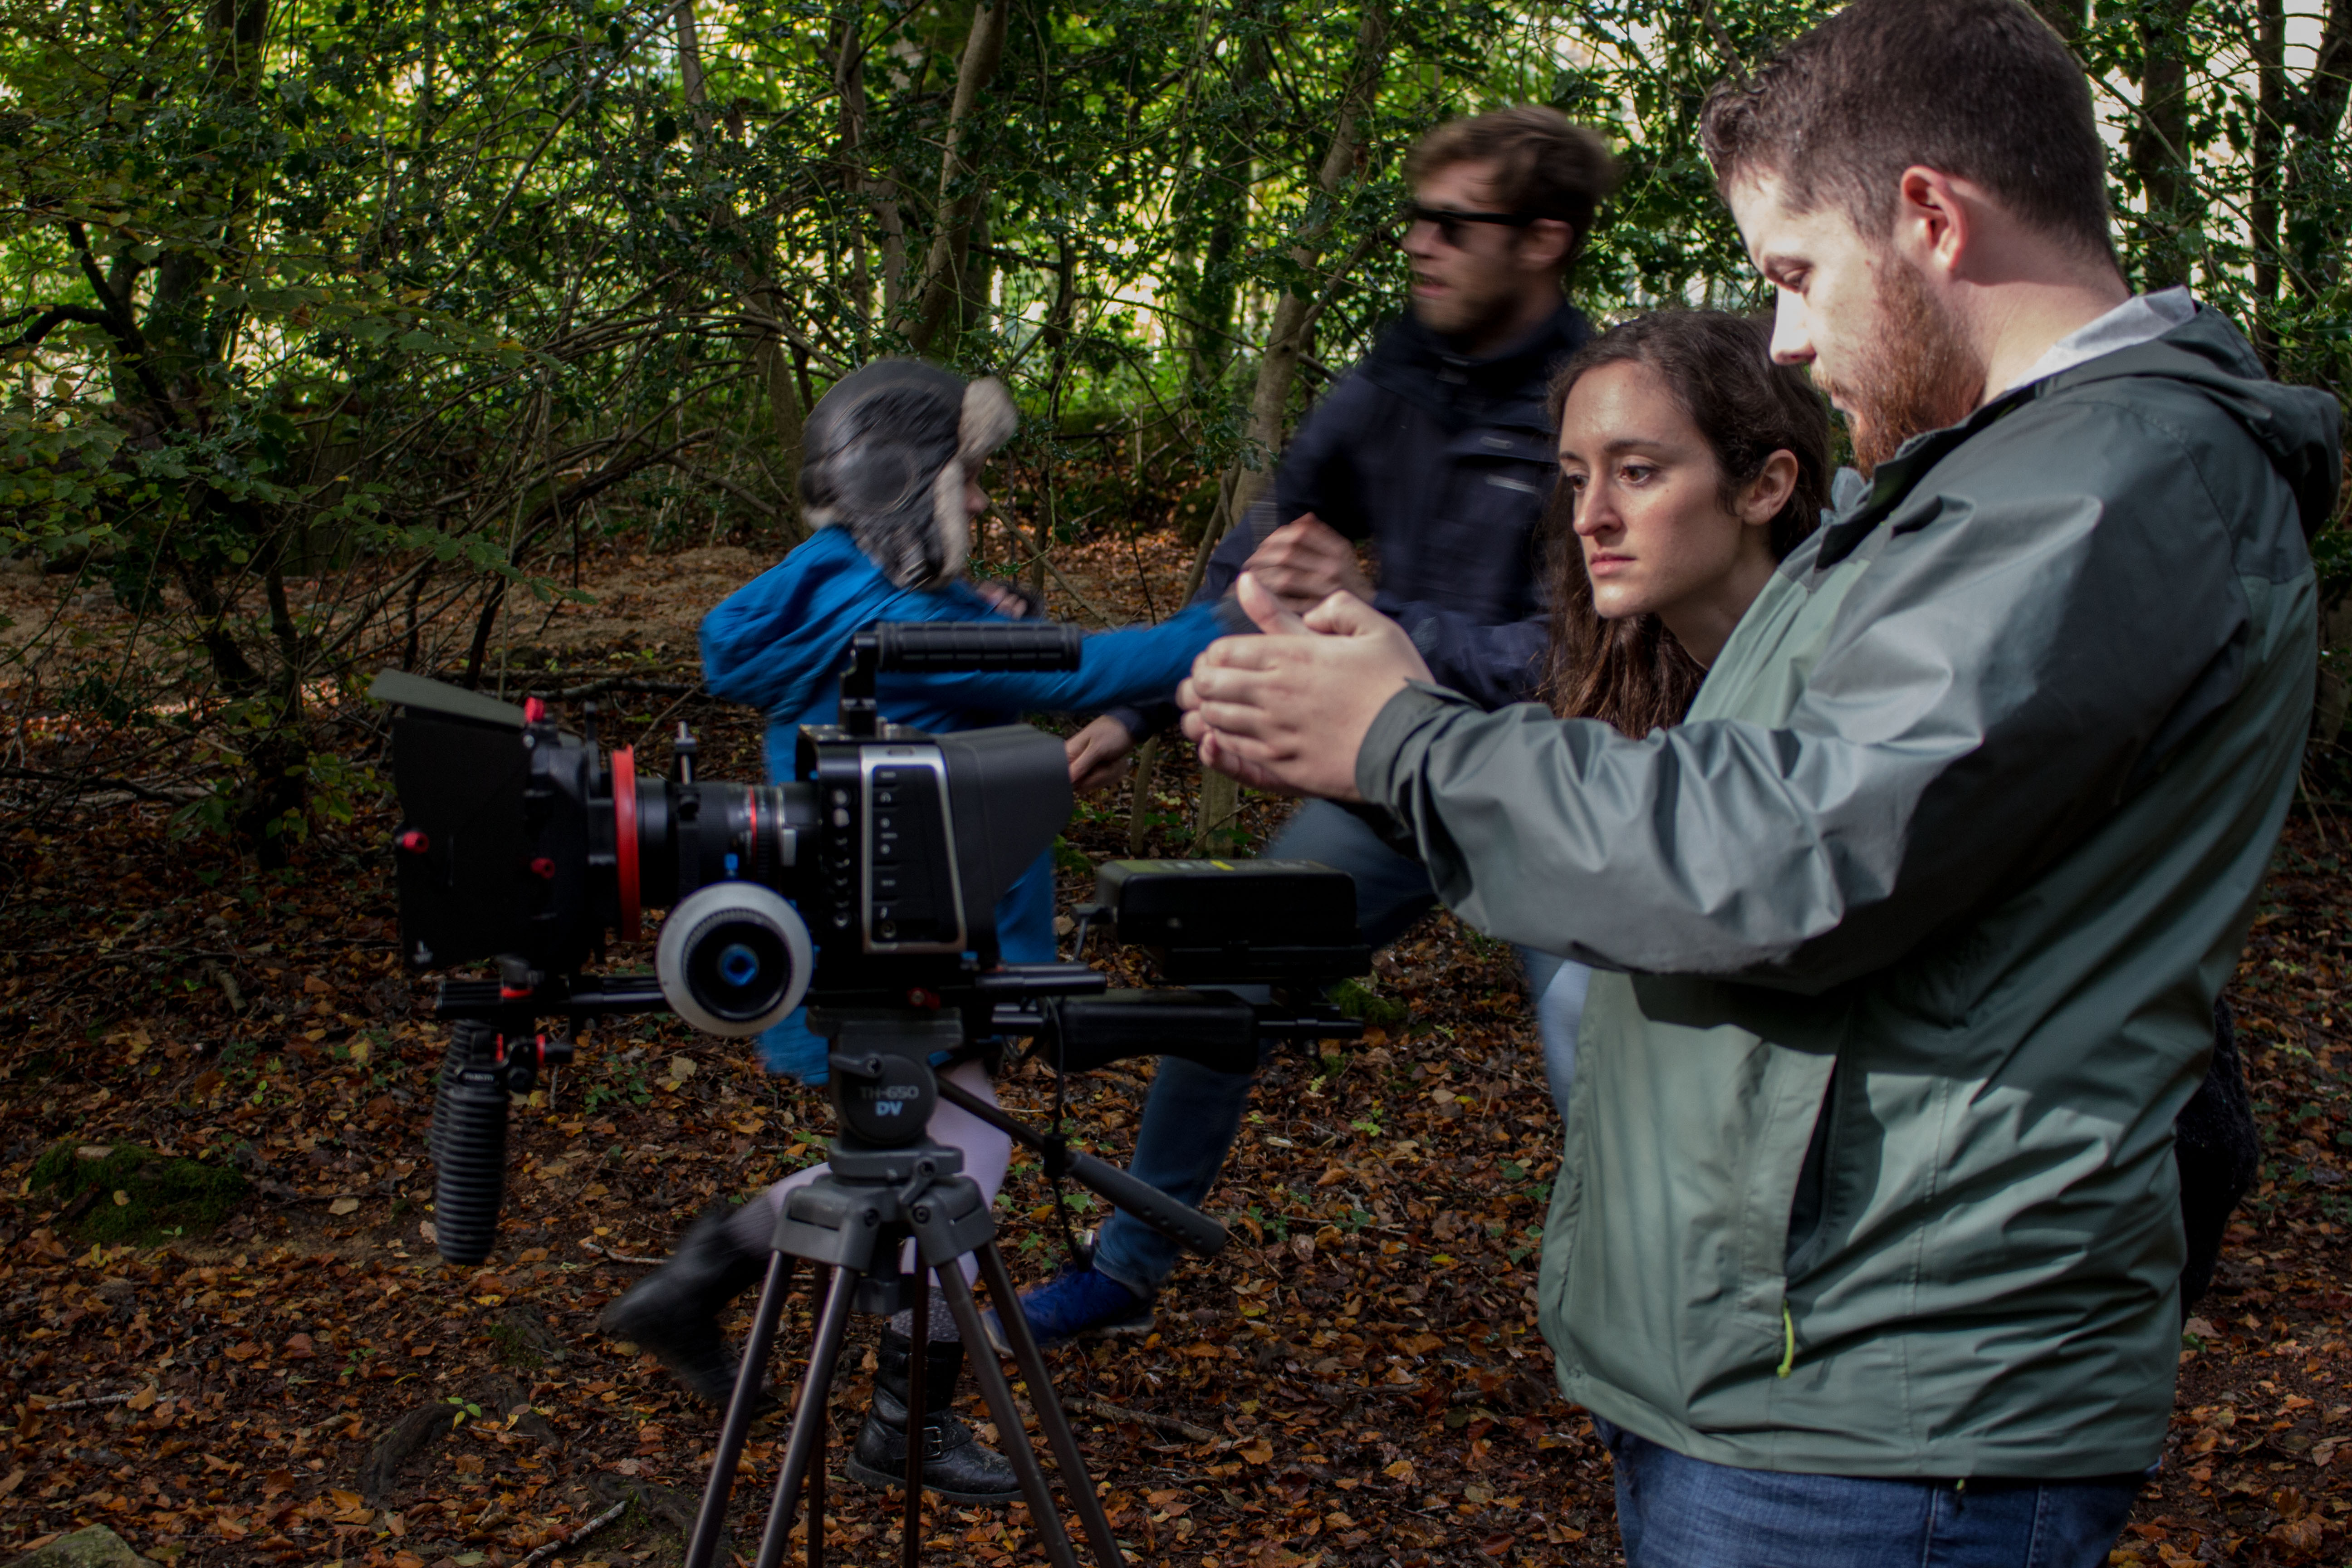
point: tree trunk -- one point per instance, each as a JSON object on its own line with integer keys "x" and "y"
{"x": 2262, "y": 210}
{"x": 1287, "y": 339}
{"x": 763, "y": 304}
{"x": 979, "y": 277}
{"x": 787, "y": 418}
{"x": 1139, "y": 825}
{"x": 2065, "y": 16}
{"x": 2317, "y": 116}
{"x": 189, "y": 341}
{"x": 2159, "y": 144}
{"x": 425, "y": 71}
{"x": 863, "y": 190}
{"x": 1294, "y": 317}
{"x": 960, "y": 192}
{"x": 1222, "y": 199}
{"x": 1214, "y": 294}
{"x": 1056, "y": 337}
{"x": 690, "y": 67}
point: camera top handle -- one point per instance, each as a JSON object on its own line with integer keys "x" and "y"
{"x": 944, "y": 646}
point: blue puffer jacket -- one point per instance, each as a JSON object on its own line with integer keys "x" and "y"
{"x": 778, "y": 644}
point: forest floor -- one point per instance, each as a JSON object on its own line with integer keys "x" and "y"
{"x": 225, "y": 1333}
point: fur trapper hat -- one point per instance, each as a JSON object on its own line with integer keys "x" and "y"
{"x": 886, "y": 455}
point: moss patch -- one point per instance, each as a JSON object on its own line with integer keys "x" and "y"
{"x": 1359, "y": 1000}
{"x": 135, "y": 1194}
{"x": 515, "y": 1348}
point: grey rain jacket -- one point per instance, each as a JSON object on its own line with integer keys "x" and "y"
{"x": 1919, "y": 921}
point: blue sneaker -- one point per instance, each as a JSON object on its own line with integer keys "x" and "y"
{"x": 1075, "y": 1304}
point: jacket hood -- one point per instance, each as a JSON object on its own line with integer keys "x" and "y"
{"x": 2300, "y": 428}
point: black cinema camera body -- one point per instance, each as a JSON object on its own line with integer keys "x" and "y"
{"x": 893, "y": 844}
{"x": 865, "y": 889}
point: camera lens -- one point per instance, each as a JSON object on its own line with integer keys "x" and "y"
{"x": 735, "y": 968}
{"x": 733, "y": 958}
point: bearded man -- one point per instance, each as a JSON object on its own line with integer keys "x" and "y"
{"x": 1867, "y": 1245}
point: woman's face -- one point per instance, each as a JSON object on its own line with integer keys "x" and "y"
{"x": 1650, "y": 512}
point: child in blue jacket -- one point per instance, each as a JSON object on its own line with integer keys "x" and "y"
{"x": 890, "y": 480}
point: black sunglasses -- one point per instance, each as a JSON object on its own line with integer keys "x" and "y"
{"x": 1449, "y": 222}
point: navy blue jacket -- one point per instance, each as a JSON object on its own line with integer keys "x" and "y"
{"x": 1446, "y": 464}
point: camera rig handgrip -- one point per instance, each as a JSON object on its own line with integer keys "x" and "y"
{"x": 940, "y": 646}
{"x": 976, "y": 645}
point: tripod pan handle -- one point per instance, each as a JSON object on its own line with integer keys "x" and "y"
{"x": 1178, "y": 1223}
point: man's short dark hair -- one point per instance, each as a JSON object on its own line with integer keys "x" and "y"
{"x": 1981, "y": 89}
{"x": 1546, "y": 165}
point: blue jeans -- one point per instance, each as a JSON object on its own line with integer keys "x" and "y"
{"x": 1674, "y": 1511}
{"x": 1556, "y": 986}
{"x": 1194, "y": 1113}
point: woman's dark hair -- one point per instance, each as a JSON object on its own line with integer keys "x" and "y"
{"x": 1632, "y": 673}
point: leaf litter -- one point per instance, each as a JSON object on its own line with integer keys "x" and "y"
{"x": 235, "y": 1384}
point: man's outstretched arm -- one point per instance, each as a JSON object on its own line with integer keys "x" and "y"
{"x": 1990, "y": 694}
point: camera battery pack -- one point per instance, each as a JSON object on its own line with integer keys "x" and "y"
{"x": 1231, "y": 922}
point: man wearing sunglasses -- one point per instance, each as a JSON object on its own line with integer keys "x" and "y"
{"x": 1436, "y": 450}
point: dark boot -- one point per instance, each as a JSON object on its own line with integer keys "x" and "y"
{"x": 674, "y": 1313}
{"x": 954, "y": 1463}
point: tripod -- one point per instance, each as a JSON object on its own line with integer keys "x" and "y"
{"x": 889, "y": 1184}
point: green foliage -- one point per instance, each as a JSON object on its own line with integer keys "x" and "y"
{"x": 162, "y": 1194}
{"x": 330, "y": 331}
{"x": 621, "y": 1081}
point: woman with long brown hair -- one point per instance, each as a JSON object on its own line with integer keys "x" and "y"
{"x": 1690, "y": 464}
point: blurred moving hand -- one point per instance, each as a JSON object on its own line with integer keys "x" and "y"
{"x": 1289, "y": 711}
{"x": 1305, "y": 561}
{"x": 1099, "y": 754}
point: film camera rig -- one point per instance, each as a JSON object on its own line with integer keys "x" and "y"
{"x": 864, "y": 889}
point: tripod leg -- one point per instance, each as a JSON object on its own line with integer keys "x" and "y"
{"x": 990, "y": 1378}
{"x": 1058, "y": 1436}
{"x": 815, "y": 1500}
{"x": 808, "y": 1422}
{"x": 918, "y": 1353}
{"x": 711, "y": 1523}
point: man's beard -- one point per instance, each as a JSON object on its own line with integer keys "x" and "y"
{"x": 1465, "y": 318}
{"x": 1916, "y": 373}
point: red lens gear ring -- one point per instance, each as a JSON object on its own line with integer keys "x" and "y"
{"x": 625, "y": 838}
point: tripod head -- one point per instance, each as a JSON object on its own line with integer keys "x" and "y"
{"x": 882, "y": 1085}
